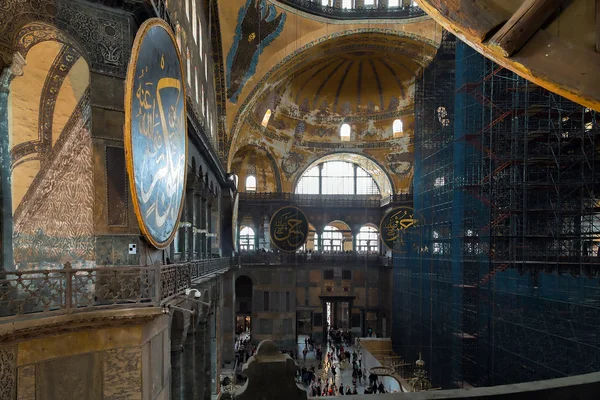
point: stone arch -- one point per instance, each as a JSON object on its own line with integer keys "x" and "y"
{"x": 385, "y": 182}
{"x": 260, "y": 161}
{"x": 49, "y": 124}
{"x": 104, "y": 36}
{"x": 346, "y": 234}
{"x": 423, "y": 52}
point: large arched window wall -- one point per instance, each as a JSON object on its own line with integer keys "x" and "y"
{"x": 337, "y": 177}
{"x": 344, "y": 174}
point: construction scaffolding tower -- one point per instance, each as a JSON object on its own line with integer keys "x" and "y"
{"x": 505, "y": 261}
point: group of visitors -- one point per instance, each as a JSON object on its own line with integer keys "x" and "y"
{"x": 321, "y": 378}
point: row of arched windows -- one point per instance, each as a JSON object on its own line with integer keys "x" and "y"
{"x": 345, "y": 129}
{"x": 195, "y": 87}
{"x": 367, "y": 240}
{"x": 366, "y": 3}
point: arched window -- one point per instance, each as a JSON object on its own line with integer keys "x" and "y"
{"x": 346, "y": 3}
{"x": 266, "y": 118}
{"x": 393, "y": 3}
{"x": 189, "y": 67}
{"x": 178, "y": 29}
{"x": 368, "y": 240}
{"x": 398, "y": 128}
{"x": 194, "y": 19}
{"x": 332, "y": 239}
{"x": 246, "y": 239}
{"x": 345, "y": 131}
{"x": 250, "y": 183}
{"x": 337, "y": 177}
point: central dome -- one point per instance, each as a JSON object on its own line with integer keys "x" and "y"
{"x": 355, "y": 82}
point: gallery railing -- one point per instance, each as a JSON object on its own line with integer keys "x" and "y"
{"x": 268, "y": 258}
{"x": 326, "y": 200}
{"x": 69, "y": 290}
{"x": 356, "y": 12}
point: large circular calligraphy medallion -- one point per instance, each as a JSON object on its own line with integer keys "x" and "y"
{"x": 394, "y": 223}
{"x": 155, "y": 131}
{"x": 288, "y": 228}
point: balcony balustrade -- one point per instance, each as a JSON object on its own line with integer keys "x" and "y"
{"x": 325, "y": 200}
{"x": 267, "y": 258}
{"x": 69, "y": 290}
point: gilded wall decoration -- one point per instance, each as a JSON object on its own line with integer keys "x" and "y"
{"x": 288, "y": 228}
{"x": 102, "y": 36}
{"x": 258, "y": 24}
{"x": 291, "y": 163}
{"x": 58, "y": 72}
{"x": 54, "y": 221}
{"x": 394, "y": 223}
{"x": 155, "y": 132}
{"x": 8, "y": 372}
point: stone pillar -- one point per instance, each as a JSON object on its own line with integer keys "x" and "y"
{"x": 8, "y": 73}
{"x": 197, "y": 224}
{"x": 320, "y": 178}
{"x": 209, "y": 226}
{"x": 256, "y": 221}
{"x": 202, "y": 357}
{"x": 176, "y": 375}
{"x": 188, "y": 243}
{"x": 188, "y": 365}
{"x": 204, "y": 225}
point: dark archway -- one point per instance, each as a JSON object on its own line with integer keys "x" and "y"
{"x": 243, "y": 304}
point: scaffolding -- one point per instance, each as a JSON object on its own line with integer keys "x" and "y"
{"x": 499, "y": 282}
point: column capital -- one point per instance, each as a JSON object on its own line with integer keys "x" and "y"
{"x": 14, "y": 69}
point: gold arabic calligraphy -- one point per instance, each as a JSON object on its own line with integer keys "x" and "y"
{"x": 288, "y": 229}
{"x": 398, "y": 221}
{"x": 162, "y": 161}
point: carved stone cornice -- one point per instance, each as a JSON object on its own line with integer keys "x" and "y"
{"x": 31, "y": 328}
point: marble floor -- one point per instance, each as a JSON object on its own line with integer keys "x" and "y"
{"x": 343, "y": 376}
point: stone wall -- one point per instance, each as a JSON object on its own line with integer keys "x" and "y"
{"x": 126, "y": 361}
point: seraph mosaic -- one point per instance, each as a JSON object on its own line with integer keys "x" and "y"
{"x": 155, "y": 132}
{"x": 258, "y": 24}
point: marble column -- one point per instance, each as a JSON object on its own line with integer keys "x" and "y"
{"x": 6, "y": 77}
{"x": 209, "y": 227}
{"x": 197, "y": 224}
{"x": 176, "y": 375}
{"x": 204, "y": 225}
{"x": 201, "y": 354}
{"x": 188, "y": 365}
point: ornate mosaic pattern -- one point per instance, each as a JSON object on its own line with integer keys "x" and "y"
{"x": 103, "y": 37}
{"x": 58, "y": 72}
{"x": 8, "y": 372}
{"x": 257, "y": 26}
{"x": 253, "y": 96}
{"x": 54, "y": 221}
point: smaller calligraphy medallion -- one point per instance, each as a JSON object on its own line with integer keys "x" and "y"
{"x": 288, "y": 228}
{"x": 395, "y": 223}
